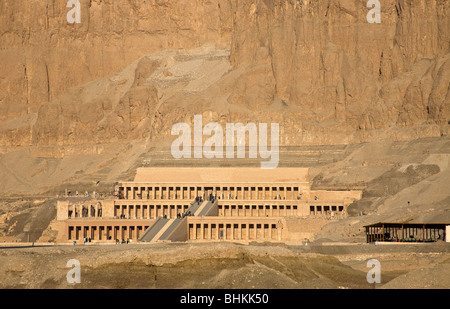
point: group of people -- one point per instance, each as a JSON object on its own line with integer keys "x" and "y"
{"x": 186, "y": 214}
{"x": 199, "y": 199}
{"x": 85, "y": 240}
{"x": 123, "y": 241}
{"x": 279, "y": 197}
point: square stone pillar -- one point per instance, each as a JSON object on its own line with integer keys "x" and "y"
{"x": 195, "y": 230}
{"x": 62, "y": 210}
{"x": 144, "y": 193}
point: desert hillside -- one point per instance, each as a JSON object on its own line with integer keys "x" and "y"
{"x": 224, "y": 266}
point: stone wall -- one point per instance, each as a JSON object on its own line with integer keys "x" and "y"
{"x": 301, "y": 229}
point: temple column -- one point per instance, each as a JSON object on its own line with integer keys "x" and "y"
{"x": 87, "y": 230}
{"x": 145, "y": 193}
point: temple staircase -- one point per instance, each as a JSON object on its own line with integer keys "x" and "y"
{"x": 175, "y": 229}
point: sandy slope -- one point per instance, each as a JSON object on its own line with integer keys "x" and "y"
{"x": 223, "y": 265}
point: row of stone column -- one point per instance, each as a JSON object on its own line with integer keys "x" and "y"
{"x": 149, "y": 211}
{"x": 108, "y": 232}
{"x": 234, "y": 231}
{"x": 259, "y": 210}
{"x": 180, "y": 192}
{"x": 326, "y": 210}
{"x": 85, "y": 211}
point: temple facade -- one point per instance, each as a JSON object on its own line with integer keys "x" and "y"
{"x": 205, "y": 204}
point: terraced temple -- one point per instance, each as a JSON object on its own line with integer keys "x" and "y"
{"x": 181, "y": 204}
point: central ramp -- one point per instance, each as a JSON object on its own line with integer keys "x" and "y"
{"x": 195, "y": 207}
{"x": 208, "y": 208}
{"x": 176, "y": 229}
{"x": 153, "y": 230}
{"x": 161, "y": 229}
{"x": 167, "y": 224}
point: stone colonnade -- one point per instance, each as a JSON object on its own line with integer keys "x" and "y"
{"x": 245, "y": 230}
{"x": 102, "y": 231}
{"x": 82, "y": 210}
{"x": 145, "y": 191}
{"x": 148, "y": 211}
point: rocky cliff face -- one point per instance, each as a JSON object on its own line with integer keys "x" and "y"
{"x": 42, "y": 55}
{"x": 131, "y": 69}
{"x": 341, "y": 72}
{"x": 82, "y": 105}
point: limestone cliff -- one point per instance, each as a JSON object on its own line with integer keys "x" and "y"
{"x": 317, "y": 67}
{"x": 42, "y": 55}
{"x": 342, "y": 73}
